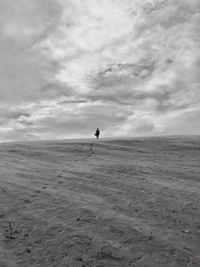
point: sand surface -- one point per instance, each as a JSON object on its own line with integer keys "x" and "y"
{"x": 114, "y": 203}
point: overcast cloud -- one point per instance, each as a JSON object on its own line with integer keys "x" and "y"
{"x": 129, "y": 67}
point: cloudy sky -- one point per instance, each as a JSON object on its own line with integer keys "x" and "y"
{"x": 129, "y": 67}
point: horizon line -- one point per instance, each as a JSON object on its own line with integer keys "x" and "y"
{"x": 102, "y": 138}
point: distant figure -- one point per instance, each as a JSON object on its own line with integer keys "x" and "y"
{"x": 97, "y": 133}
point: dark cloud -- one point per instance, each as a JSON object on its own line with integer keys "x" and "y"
{"x": 8, "y": 115}
{"x": 124, "y": 73}
{"x": 12, "y": 114}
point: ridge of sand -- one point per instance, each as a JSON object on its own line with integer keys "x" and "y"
{"x": 114, "y": 203}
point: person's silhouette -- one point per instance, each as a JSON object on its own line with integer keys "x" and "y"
{"x": 97, "y": 133}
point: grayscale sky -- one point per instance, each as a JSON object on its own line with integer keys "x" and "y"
{"x": 129, "y": 67}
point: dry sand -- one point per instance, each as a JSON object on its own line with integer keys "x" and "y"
{"x": 118, "y": 203}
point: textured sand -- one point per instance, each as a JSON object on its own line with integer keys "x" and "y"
{"x": 116, "y": 203}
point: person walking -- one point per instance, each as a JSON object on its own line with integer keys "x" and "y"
{"x": 97, "y": 133}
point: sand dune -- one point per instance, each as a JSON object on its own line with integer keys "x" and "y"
{"x": 113, "y": 203}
